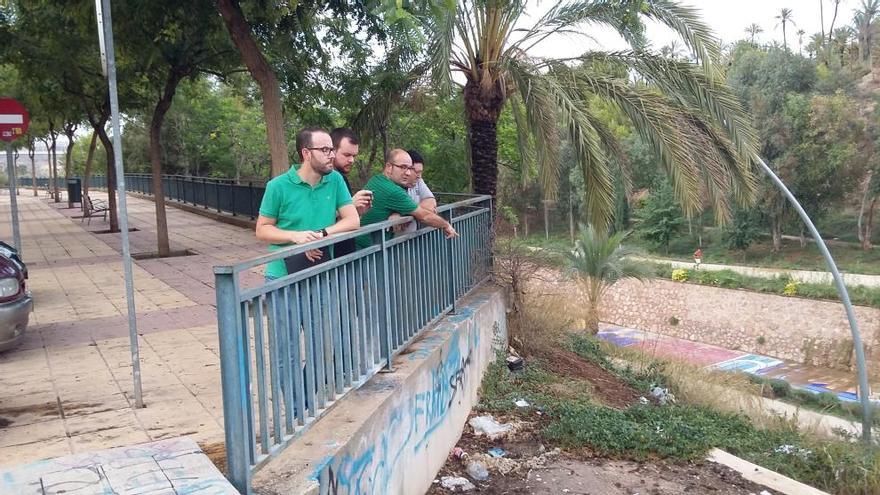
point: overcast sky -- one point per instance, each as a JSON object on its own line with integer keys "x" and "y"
{"x": 728, "y": 18}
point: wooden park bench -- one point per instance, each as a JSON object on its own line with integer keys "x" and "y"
{"x": 94, "y": 207}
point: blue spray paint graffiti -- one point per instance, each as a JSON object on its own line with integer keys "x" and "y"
{"x": 410, "y": 424}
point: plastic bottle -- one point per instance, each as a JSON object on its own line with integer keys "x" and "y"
{"x": 477, "y": 471}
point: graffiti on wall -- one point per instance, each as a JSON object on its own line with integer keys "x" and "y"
{"x": 410, "y": 424}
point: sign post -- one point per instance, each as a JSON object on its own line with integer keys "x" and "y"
{"x": 14, "y": 120}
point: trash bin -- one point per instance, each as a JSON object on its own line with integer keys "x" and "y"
{"x": 74, "y": 191}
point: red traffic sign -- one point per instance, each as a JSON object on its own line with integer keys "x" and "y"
{"x": 14, "y": 120}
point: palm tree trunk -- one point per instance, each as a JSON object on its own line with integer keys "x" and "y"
{"x": 484, "y": 156}
{"x": 822, "y": 17}
{"x": 833, "y": 18}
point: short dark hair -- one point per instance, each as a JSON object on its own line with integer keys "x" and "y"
{"x": 340, "y": 133}
{"x": 304, "y": 139}
{"x": 416, "y": 157}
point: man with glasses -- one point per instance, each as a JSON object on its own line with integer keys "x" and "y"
{"x": 390, "y": 197}
{"x": 306, "y": 203}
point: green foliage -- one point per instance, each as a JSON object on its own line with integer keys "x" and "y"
{"x": 661, "y": 217}
{"x": 678, "y": 431}
{"x": 729, "y": 279}
{"x": 743, "y": 230}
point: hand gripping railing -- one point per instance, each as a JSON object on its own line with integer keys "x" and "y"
{"x": 290, "y": 348}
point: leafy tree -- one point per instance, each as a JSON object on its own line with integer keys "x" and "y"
{"x": 661, "y": 217}
{"x": 743, "y": 230}
{"x": 685, "y": 112}
{"x": 292, "y": 41}
{"x": 597, "y": 262}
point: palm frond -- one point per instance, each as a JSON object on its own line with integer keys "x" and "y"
{"x": 696, "y": 34}
{"x": 679, "y": 79}
{"x": 524, "y": 143}
{"x": 564, "y": 16}
{"x": 440, "y": 29}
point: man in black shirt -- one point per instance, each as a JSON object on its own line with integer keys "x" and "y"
{"x": 345, "y": 142}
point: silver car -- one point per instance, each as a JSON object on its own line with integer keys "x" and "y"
{"x": 16, "y": 303}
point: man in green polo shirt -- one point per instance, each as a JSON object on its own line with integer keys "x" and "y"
{"x": 303, "y": 205}
{"x": 389, "y": 196}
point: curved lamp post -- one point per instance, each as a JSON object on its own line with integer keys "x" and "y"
{"x": 844, "y": 296}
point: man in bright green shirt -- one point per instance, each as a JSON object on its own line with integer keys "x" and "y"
{"x": 389, "y": 197}
{"x": 303, "y": 205}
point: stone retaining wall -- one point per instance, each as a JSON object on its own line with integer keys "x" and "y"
{"x": 792, "y": 328}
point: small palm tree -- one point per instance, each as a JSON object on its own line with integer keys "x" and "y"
{"x": 785, "y": 17}
{"x": 801, "y": 33}
{"x": 753, "y": 30}
{"x": 599, "y": 261}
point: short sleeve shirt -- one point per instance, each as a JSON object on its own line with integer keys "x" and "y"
{"x": 296, "y": 205}
{"x": 388, "y": 198}
{"x": 417, "y": 193}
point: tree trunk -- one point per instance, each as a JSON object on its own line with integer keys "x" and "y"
{"x": 833, "y": 18}
{"x": 163, "y": 244}
{"x": 869, "y": 226}
{"x": 87, "y": 174}
{"x": 546, "y": 220}
{"x": 803, "y": 236}
{"x": 240, "y": 32}
{"x": 32, "y": 150}
{"x": 822, "y": 17}
{"x": 69, "y": 131}
{"x": 484, "y": 156}
{"x": 111, "y": 178}
{"x": 776, "y": 233}
{"x": 866, "y": 191}
{"x": 53, "y": 166}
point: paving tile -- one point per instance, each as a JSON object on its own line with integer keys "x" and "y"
{"x": 108, "y": 438}
{"x": 34, "y": 433}
{"x": 91, "y": 423}
{"x": 30, "y": 452}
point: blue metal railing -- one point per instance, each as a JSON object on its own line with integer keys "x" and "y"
{"x": 291, "y": 347}
{"x": 222, "y": 195}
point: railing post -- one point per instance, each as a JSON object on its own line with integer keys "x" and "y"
{"x": 251, "y": 199}
{"x": 233, "y": 369}
{"x": 217, "y": 185}
{"x": 386, "y": 345}
{"x": 205, "y": 192}
{"x": 450, "y": 264}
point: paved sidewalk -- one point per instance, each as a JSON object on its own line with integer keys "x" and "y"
{"x": 804, "y": 276}
{"x": 68, "y": 388}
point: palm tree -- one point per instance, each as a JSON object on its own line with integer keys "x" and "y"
{"x": 815, "y": 44}
{"x": 864, "y": 21}
{"x": 598, "y": 262}
{"x": 801, "y": 33}
{"x": 785, "y": 17}
{"x": 686, "y": 112}
{"x": 753, "y": 30}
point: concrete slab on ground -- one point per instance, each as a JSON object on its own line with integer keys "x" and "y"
{"x": 175, "y": 465}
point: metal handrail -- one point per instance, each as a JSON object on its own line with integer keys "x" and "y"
{"x": 291, "y": 347}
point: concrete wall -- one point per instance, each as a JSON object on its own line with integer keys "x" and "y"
{"x": 793, "y": 328}
{"x": 394, "y": 434}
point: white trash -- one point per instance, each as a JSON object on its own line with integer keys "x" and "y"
{"x": 456, "y": 484}
{"x": 521, "y": 403}
{"x": 663, "y": 396}
{"x": 486, "y": 425}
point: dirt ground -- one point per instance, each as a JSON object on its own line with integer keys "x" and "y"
{"x": 529, "y": 468}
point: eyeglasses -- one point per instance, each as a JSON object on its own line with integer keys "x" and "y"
{"x": 406, "y": 168}
{"x": 326, "y": 150}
